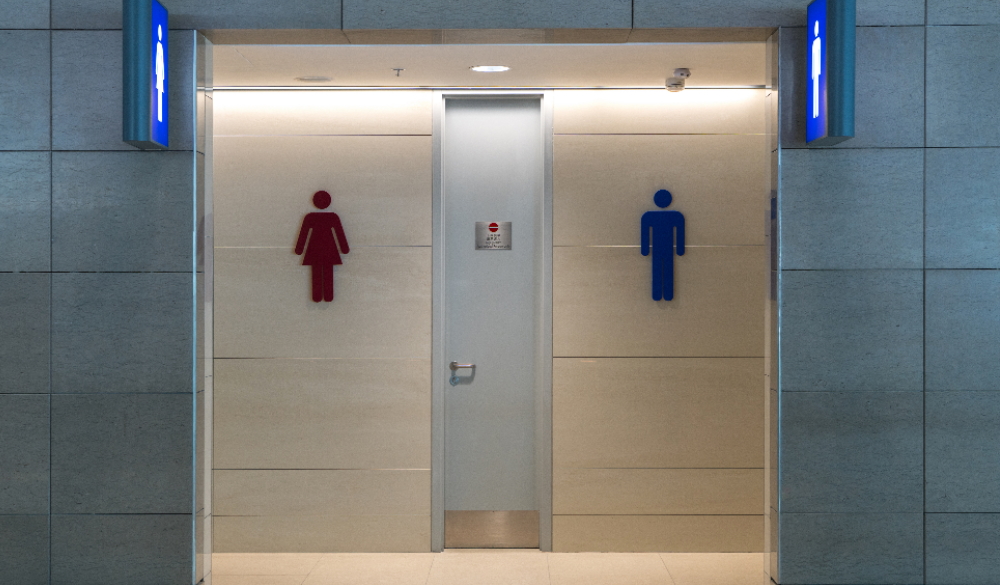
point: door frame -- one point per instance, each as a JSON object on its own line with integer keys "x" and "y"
{"x": 543, "y": 354}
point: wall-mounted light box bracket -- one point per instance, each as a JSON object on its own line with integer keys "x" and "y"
{"x": 145, "y": 115}
{"x": 830, "y": 62}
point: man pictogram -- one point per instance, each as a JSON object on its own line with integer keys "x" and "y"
{"x": 161, "y": 74}
{"x": 817, "y": 68}
{"x": 663, "y": 224}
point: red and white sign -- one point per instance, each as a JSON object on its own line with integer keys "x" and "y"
{"x": 493, "y": 235}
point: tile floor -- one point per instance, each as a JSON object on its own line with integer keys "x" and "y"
{"x": 482, "y": 567}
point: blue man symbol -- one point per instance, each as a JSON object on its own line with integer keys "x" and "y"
{"x": 663, "y": 224}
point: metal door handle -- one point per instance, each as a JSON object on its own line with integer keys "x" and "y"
{"x": 454, "y": 366}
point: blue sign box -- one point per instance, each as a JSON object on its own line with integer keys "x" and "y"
{"x": 830, "y": 62}
{"x": 146, "y": 118}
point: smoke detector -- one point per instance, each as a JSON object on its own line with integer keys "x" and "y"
{"x": 676, "y": 83}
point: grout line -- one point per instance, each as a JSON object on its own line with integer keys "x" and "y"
{"x": 183, "y": 272}
{"x": 475, "y": 88}
{"x": 922, "y": 269}
{"x": 352, "y": 247}
{"x": 318, "y": 469}
{"x": 913, "y": 269}
{"x": 667, "y": 569}
{"x": 196, "y": 472}
{"x": 574, "y": 468}
{"x": 407, "y": 359}
{"x": 637, "y": 246}
{"x": 851, "y": 148}
{"x": 424, "y": 359}
{"x": 655, "y": 357}
{"x": 431, "y": 567}
{"x": 960, "y": 513}
{"x": 187, "y": 514}
{"x": 923, "y": 534}
{"x": 685, "y": 516}
{"x": 659, "y": 133}
{"x": 336, "y": 135}
{"x": 317, "y": 135}
{"x": 51, "y": 284}
{"x": 185, "y": 393}
{"x": 310, "y": 572}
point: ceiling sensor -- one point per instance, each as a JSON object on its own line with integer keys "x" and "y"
{"x": 676, "y": 83}
{"x": 490, "y": 68}
{"x": 313, "y": 78}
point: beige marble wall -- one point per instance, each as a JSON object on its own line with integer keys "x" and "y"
{"x": 322, "y": 440}
{"x": 658, "y": 408}
{"x": 323, "y": 410}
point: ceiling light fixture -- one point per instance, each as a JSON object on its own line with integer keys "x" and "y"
{"x": 313, "y": 78}
{"x": 490, "y": 68}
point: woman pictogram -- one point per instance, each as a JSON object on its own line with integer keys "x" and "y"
{"x": 322, "y": 250}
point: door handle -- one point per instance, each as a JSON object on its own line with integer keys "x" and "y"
{"x": 454, "y": 367}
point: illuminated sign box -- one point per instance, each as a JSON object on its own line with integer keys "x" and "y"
{"x": 830, "y": 50}
{"x": 146, "y": 117}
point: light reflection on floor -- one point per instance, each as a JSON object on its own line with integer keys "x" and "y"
{"x": 494, "y": 567}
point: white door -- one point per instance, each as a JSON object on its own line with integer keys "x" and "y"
{"x": 493, "y": 181}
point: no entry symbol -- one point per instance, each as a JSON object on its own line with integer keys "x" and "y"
{"x": 493, "y": 235}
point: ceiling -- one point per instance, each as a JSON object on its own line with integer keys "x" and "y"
{"x": 733, "y": 64}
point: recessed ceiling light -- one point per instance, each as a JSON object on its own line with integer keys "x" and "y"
{"x": 490, "y": 68}
{"x": 313, "y": 78}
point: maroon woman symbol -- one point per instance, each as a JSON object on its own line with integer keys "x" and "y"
{"x": 322, "y": 249}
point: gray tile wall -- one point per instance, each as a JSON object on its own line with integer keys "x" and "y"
{"x": 205, "y": 14}
{"x": 24, "y": 68}
{"x": 890, "y": 351}
{"x": 954, "y": 41}
{"x": 489, "y": 14}
{"x": 24, "y": 558}
{"x": 25, "y": 209}
{"x": 95, "y": 311}
{"x": 24, "y": 454}
{"x": 121, "y": 549}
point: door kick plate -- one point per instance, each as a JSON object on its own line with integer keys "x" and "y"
{"x": 491, "y": 529}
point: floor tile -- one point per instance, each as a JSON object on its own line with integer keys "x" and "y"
{"x": 257, "y": 579}
{"x": 372, "y": 569}
{"x": 715, "y": 569}
{"x": 489, "y": 568}
{"x": 608, "y": 569}
{"x": 493, "y": 551}
{"x": 264, "y": 564}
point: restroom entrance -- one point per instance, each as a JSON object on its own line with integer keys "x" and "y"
{"x": 591, "y": 417}
{"x": 493, "y": 225}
